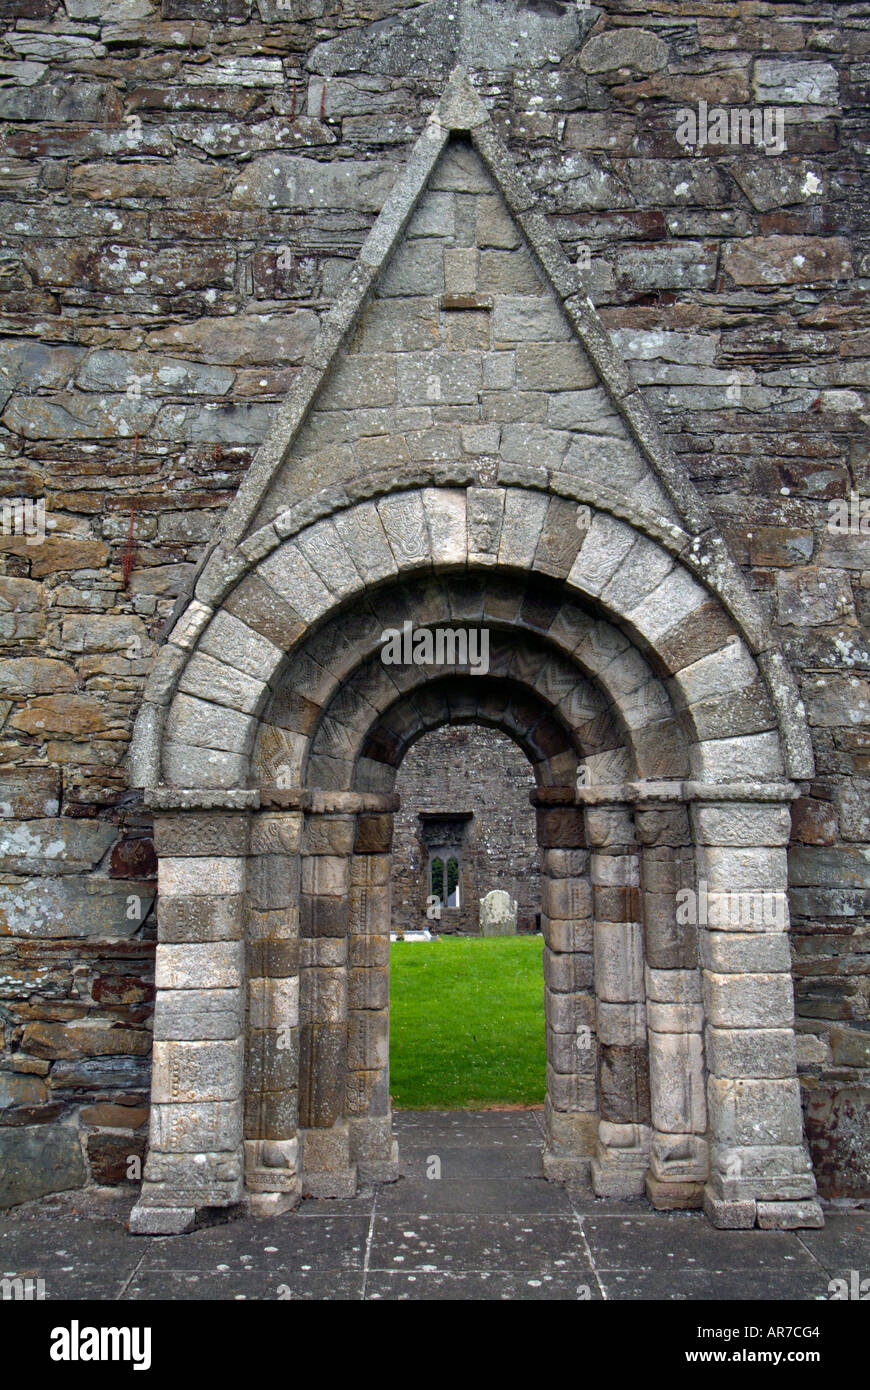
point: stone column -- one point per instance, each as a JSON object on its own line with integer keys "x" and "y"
{"x": 327, "y": 1169}
{"x": 195, "y": 1158}
{"x": 272, "y": 1090}
{"x": 679, "y": 1156}
{"x": 571, "y": 1106}
{"x": 622, "y": 1153}
{"x": 761, "y": 1172}
{"x": 369, "y": 1115}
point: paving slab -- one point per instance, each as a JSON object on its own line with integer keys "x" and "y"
{"x": 686, "y": 1240}
{"x": 273, "y": 1246}
{"x": 451, "y": 1286}
{"x": 458, "y": 1194}
{"x": 844, "y": 1239}
{"x": 489, "y": 1228}
{"x": 306, "y": 1285}
{"x": 480, "y": 1243}
{"x": 713, "y": 1284}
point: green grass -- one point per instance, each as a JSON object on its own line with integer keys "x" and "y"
{"x": 467, "y": 1023}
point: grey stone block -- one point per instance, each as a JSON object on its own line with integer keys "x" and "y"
{"x": 751, "y": 1052}
{"x": 197, "y": 1071}
{"x": 37, "y": 1159}
{"x": 161, "y": 1221}
{"x": 729, "y": 1215}
{"x": 755, "y": 1112}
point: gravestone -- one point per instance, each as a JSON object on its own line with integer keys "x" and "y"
{"x": 498, "y": 914}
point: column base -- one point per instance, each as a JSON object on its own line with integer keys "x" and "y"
{"x": 617, "y": 1179}
{"x": 765, "y": 1173}
{"x": 148, "y": 1220}
{"x": 380, "y": 1169}
{"x": 681, "y": 1195}
{"x": 342, "y": 1182}
{"x": 569, "y": 1168}
{"x": 272, "y": 1167}
{"x": 790, "y": 1216}
{"x": 326, "y": 1167}
{"x": 264, "y": 1204}
{"x": 161, "y": 1221}
{"x": 729, "y": 1214}
{"x": 621, "y": 1161}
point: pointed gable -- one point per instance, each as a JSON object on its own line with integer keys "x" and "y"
{"x": 463, "y": 353}
{"x": 463, "y": 336}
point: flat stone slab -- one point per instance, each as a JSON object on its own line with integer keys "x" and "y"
{"x": 490, "y": 1228}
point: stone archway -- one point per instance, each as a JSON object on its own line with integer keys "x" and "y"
{"x": 624, "y": 644}
{"x": 277, "y": 936}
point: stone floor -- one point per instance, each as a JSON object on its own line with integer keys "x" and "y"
{"x": 490, "y": 1227}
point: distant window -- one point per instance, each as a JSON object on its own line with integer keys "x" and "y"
{"x": 444, "y": 878}
{"x": 452, "y": 882}
{"x": 436, "y": 879}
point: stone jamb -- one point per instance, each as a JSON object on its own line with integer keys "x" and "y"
{"x": 196, "y": 1157}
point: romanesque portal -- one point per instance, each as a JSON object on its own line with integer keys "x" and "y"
{"x": 628, "y": 660}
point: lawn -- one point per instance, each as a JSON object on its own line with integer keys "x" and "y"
{"x": 467, "y": 1023}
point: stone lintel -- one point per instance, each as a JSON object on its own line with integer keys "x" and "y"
{"x": 201, "y": 799}
{"x": 351, "y": 802}
{"x": 648, "y": 794}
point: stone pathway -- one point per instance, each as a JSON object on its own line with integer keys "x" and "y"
{"x": 490, "y": 1227}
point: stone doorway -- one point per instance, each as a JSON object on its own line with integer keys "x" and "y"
{"x": 625, "y": 654}
{"x": 275, "y": 915}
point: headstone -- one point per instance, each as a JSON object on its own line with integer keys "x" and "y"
{"x": 498, "y": 914}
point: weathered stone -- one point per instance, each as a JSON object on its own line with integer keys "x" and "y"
{"x": 243, "y": 340}
{"x": 431, "y": 40}
{"x": 636, "y": 49}
{"x": 196, "y": 1072}
{"x": 839, "y": 1138}
{"x": 69, "y": 1040}
{"x": 29, "y": 792}
{"x": 786, "y": 260}
{"x": 35, "y": 676}
{"x": 38, "y": 1159}
{"x": 109, "y": 1157}
{"x": 70, "y": 906}
{"x": 159, "y": 246}
{"x": 801, "y": 83}
{"x": 60, "y": 844}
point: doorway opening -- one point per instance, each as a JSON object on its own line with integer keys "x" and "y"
{"x": 467, "y": 1026}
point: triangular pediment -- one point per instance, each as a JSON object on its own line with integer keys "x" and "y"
{"x": 463, "y": 337}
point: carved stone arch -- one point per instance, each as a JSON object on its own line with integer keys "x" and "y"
{"x": 625, "y": 579}
{"x": 679, "y": 623}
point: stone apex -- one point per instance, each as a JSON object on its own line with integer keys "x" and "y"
{"x": 460, "y": 109}
{"x": 461, "y": 114}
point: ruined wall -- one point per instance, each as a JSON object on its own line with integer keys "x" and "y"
{"x": 467, "y": 768}
{"x": 183, "y": 188}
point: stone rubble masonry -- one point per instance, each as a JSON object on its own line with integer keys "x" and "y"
{"x": 184, "y": 202}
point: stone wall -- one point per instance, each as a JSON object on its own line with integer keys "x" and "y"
{"x": 184, "y": 188}
{"x": 467, "y": 768}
